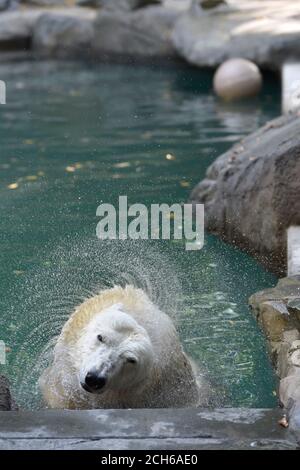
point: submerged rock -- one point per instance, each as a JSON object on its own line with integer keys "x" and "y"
{"x": 251, "y": 193}
{"x": 143, "y": 33}
{"x": 6, "y": 401}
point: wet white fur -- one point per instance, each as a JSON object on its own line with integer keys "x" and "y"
{"x": 132, "y": 327}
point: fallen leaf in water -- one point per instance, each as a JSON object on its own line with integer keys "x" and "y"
{"x": 122, "y": 165}
{"x": 41, "y": 173}
{"x": 70, "y": 169}
{"x": 185, "y": 184}
{"x": 274, "y": 393}
{"x": 28, "y": 141}
{"x": 18, "y": 272}
{"x": 78, "y": 166}
{"x": 13, "y": 186}
{"x": 75, "y": 93}
{"x": 31, "y": 177}
{"x": 169, "y": 156}
{"x": 146, "y": 135}
{"x": 284, "y": 422}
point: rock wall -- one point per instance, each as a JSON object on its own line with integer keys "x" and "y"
{"x": 202, "y": 32}
{"x": 251, "y": 193}
{"x": 254, "y": 30}
{"x": 63, "y": 34}
{"x": 78, "y": 32}
{"x": 278, "y": 312}
{"x": 143, "y": 33}
{"x": 6, "y": 401}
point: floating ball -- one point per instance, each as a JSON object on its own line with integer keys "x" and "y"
{"x": 236, "y": 79}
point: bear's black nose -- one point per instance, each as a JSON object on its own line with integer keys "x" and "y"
{"x": 95, "y": 381}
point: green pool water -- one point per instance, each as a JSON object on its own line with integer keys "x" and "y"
{"x": 76, "y": 135}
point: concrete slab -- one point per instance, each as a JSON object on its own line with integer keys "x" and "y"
{"x": 146, "y": 429}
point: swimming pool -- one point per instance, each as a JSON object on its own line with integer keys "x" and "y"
{"x": 75, "y": 135}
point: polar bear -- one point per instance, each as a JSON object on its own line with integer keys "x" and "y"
{"x": 118, "y": 350}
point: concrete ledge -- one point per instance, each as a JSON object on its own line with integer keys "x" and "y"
{"x": 146, "y": 429}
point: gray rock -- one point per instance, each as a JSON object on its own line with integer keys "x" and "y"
{"x": 142, "y": 33}
{"x": 206, "y": 4}
{"x": 4, "y": 4}
{"x": 251, "y": 193}
{"x": 61, "y": 34}
{"x": 17, "y": 25}
{"x": 87, "y": 3}
{"x": 208, "y": 37}
{"x": 9, "y": 5}
{"x": 289, "y": 390}
{"x": 45, "y": 3}
{"x": 281, "y": 326}
{"x": 6, "y": 401}
{"x": 125, "y": 5}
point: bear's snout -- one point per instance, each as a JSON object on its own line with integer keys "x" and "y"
{"x": 93, "y": 382}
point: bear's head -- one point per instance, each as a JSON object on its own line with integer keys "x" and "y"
{"x": 114, "y": 353}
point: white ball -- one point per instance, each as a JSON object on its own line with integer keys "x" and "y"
{"x": 236, "y": 79}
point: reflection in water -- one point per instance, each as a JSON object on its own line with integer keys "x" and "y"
{"x": 75, "y": 136}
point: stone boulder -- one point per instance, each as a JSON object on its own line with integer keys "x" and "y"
{"x": 278, "y": 312}
{"x": 251, "y": 193}
{"x": 6, "y": 401}
{"x": 142, "y": 33}
{"x": 125, "y": 5}
{"x": 207, "y": 4}
{"x": 87, "y": 3}
{"x": 63, "y": 34}
{"x": 16, "y": 26}
{"x": 257, "y": 31}
{"x": 8, "y": 4}
{"x": 4, "y": 4}
{"x": 46, "y": 3}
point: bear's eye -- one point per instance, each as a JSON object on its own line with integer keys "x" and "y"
{"x": 100, "y": 338}
{"x": 131, "y": 360}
